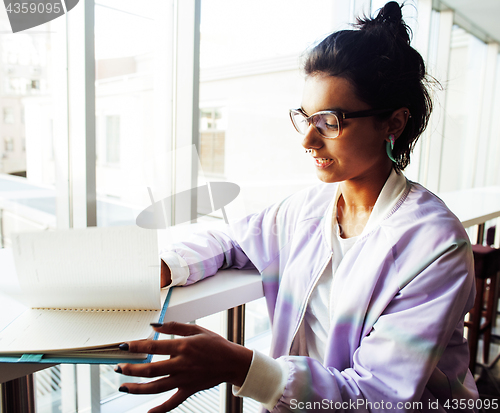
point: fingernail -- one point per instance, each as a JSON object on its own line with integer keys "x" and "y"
{"x": 118, "y": 369}
{"x": 123, "y": 346}
{"x": 156, "y": 324}
{"x": 123, "y": 389}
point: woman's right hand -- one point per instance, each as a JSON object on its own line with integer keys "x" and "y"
{"x": 166, "y": 276}
{"x": 199, "y": 359}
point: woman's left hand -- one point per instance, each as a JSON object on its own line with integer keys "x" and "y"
{"x": 199, "y": 360}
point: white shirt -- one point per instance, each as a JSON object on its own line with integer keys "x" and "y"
{"x": 316, "y": 323}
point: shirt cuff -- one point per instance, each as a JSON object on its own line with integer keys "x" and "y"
{"x": 266, "y": 380}
{"x": 179, "y": 269}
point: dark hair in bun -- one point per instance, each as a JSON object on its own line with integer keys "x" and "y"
{"x": 387, "y": 73}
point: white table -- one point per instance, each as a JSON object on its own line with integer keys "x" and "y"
{"x": 474, "y": 206}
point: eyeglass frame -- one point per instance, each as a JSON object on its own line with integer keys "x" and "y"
{"x": 340, "y": 116}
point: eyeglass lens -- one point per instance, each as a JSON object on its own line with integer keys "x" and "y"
{"x": 326, "y": 123}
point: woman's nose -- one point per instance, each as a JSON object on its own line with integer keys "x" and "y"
{"x": 312, "y": 139}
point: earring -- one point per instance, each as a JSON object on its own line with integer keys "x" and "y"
{"x": 389, "y": 146}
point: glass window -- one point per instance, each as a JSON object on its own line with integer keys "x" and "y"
{"x": 48, "y": 390}
{"x": 212, "y": 140}
{"x": 256, "y": 76}
{"x": 126, "y": 53}
{"x": 25, "y": 66}
{"x": 129, "y": 53}
{"x": 113, "y": 139}
{"x": 8, "y": 144}
{"x": 28, "y": 90}
{"x": 8, "y": 115}
{"x": 463, "y": 111}
{"x": 35, "y": 84}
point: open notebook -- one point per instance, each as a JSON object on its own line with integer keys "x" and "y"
{"x": 87, "y": 291}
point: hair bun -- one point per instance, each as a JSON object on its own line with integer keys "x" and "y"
{"x": 390, "y": 13}
{"x": 389, "y": 20}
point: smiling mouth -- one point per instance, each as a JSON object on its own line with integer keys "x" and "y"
{"x": 322, "y": 161}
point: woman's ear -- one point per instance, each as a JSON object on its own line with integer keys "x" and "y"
{"x": 397, "y": 122}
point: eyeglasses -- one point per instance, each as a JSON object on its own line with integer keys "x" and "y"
{"x": 328, "y": 122}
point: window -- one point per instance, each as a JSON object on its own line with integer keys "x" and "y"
{"x": 17, "y": 85}
{"x": 113, "y": 139}
{"x": 8, "y": 144}
{"x": 467, "y": 139}
{"x": 8, "y": 115}
{"x": 212, "y": 140}
{"x": 28, "y": 60}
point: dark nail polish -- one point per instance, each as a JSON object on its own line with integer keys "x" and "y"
{"x": 123, "y": 389}
{"x": 156, "y": 324}
{"x": 118, "y": 369}
{"x": 123, "y": 346}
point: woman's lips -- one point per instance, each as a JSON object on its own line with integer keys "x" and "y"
{"x": 323, "y": 162}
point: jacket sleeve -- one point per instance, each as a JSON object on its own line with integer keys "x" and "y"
{"x": 395, "y": 359}
{"x": 251, "y": 242}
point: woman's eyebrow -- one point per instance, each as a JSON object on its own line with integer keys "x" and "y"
{"x": 334, "y": 109}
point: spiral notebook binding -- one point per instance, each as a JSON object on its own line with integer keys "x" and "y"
{"x": 94, "y": 310}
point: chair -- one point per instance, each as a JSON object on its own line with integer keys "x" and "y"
{"x": 490, "y": 235}
{"x": 490, "y": 240}
{"x": 486, "y": 267}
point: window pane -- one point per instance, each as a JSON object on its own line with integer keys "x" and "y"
{"x": 113, "y": 139}
{"x": 48, "y": 390}
{"x": 126, "y": 49}
{"x": 129, "y": 53}
{"x": 29, "y": 89}
{"x": 8, "y": 114}
{"x": 212, "y": 141}
{"x": 250, "y": 77}
{"x": 27, "y": 97}
{"x": 463, "y": 104}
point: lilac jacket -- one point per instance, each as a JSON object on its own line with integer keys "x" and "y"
{"x": 400, "y": 297}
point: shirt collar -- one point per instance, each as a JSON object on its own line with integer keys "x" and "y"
{"x": 389, "y": 196}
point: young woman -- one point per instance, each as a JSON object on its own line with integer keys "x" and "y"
{"x": 367, "y": 276}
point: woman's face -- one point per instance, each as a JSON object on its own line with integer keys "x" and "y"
{"x": 358, "y": 154}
